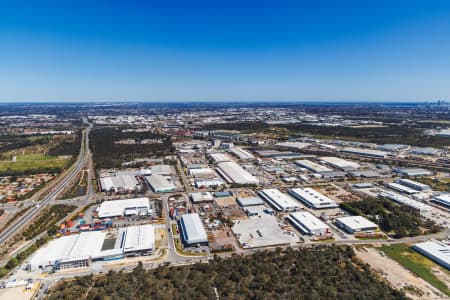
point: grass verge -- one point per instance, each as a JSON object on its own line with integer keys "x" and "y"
{"x": 416, "y": 263}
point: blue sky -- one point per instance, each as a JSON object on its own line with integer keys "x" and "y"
{"x": 224, "y": 50}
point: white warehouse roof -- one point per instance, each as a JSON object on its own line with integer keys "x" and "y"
{"x": 293, "y": 145}
{"x": 201, "y": 197}
{"x": 435, "y": 250}
{"x": 241, "y": 153}
{"x": 138, "y": 238}
{"x": 88, "y": 245}
{"x": 313, "y": 198}
{"x": 401, "y": 188}
{"x": 117, "y": 208}
{"x": 443, "y": 199}
{"x": 192, "y": 229}
{"x": 414, "y": 184}
{"x": 200, "y": 171}
{"x": 162, "y": 169}
{"x": 365, "y": 152}
{"x": 422, "y": 207}
{"x": 340, "y": 163}
{"x": 126, "y": 182}
{"x": 279, "y": 200}
{"x": 159, "y": 183}
{"x": 72, "y": 247}
{"x": 234, "y": 173}
{"x": 308, "y": 223}
{"x": 312, "y": 166}
{"x": 357, "y": 223}
{"x": 220, "y": 157}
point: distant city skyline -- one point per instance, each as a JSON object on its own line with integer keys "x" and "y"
{"x": 253, "y": 51}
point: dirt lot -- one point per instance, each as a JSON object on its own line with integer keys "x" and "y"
{"x": 337, "y": 193}
{"x": 245, "y": 193}
{"x": 18, "y": 293}
{"x": 396, "y": 275}
{"x": 223, "y": 236}
{"x": 225, "y": 201}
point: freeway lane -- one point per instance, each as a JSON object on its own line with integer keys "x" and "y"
{"x": 73, "y": 171}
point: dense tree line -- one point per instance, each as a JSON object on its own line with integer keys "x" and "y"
{"x": 399, "y": 218}
{"x": 392, "y": 134}
{"x": 49, "y": 170}
{"x": 67, "y": 146}
{"x": 108, "y": 154}
{"x": 309, "y": 273}
{"x": 12, "y": 142}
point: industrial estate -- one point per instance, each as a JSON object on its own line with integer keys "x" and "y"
{"x": 109, "y": 188}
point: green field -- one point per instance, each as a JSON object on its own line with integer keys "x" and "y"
{"x": 32, "y": 162}
{"x": 416, "y": 263}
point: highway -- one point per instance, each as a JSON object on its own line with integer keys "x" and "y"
{"x": 66, "y": 178}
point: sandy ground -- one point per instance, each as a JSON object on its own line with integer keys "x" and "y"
{"x": 225, "y": 201}
{"x": 18, "y": 293}
{"x": 221, "y": 238}
{"x": 442, "y": 275}
{"x": 397, "y": 275}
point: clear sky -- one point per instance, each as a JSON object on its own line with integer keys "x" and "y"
{"x": 224, "y": 50}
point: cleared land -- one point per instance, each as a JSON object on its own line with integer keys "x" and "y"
{"x": 418, "y": 264}
{"x": 38, "y": 154}
{"x": 33, "y": 162}
{"x": 397, "y": 275}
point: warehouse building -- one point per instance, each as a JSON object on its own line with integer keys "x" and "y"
{"x": 73, "y": 251}
{"x": 283, "y": 154}
{"x": 312, "y": 198}
{"x": 365, "y": 152}
{"x": 292, "y": 145}
{"x": 160, "y": 183}
{"x": 340, "y": 163}
{"x": 125, "y": 207}
{"x": 138, "y": 239}
{"x": 201, "y": 197}
{"x": 80, "y": 250}
{"x": 234, "y": 173}
{"x": 220, "y": 157}
{"x": 401, "y": 188}
{"x": 312, "y": 166}
{"x": 208, "y": 183}
{"x": 280, "y": 201}
{"x": 199, "y": 172}
{"x": 333, "y": 174}
{"x": 120, "y": 183}
{"x": 437, "y": 251}
{"x": 250, "y": 201}
{"x": 354, "y": 224}
{"x": 443, "y": 200}
{"x": 192, "y": 231}
{"x": 425, "y": 151}
{"x": 421, "y": 207}
{"x": 365, "y": 174}
{"x": 308, "y": 223}
{"x": 241, "y": 153}
{"x": 162, "y": 170}
{"x": 414, "y": 184}
{"x": 393, "y": 147}
{"x": 413, "y": 171}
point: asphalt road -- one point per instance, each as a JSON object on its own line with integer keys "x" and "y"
{"x": 63, "y": 182}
